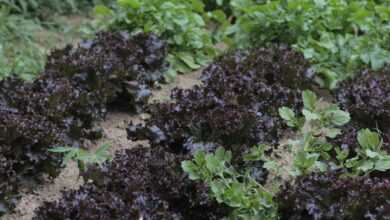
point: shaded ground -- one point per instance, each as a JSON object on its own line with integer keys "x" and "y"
{"x": 114, "y": 133}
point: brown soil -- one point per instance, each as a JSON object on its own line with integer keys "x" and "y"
{"x": 185, "y": 81}
{"x": 114, "y": 134}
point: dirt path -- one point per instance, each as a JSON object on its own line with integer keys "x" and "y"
{"x": 182, "y": 81}
{"x": 114, "y": 133}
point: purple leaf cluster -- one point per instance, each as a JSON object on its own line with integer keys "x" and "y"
{"x": 138, "y": 184}
{"x": 61, "y": 106}
{"x": 332, "y": 196}
{"x": 235, "y": 107}
{"x": 367, "y": 98}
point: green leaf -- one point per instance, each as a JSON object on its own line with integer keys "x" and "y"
{"x": 353, "y": 162}
{"x": 340, "y": 118}
{"x": 200, "y": 157}
{"x": 213, "y": 164}
{"x": 321, "y": 166}
{"x": 310, "y": 116}
{"x": 372, "y": 154}
{"x": 61, "y": 149}
{"x": 219, "y": 16}
{"x": 369, "y": 140}
{"x": 342, "y": 155}
{"x": 366, "y": 166}
{"x": 331, "y": 132}
{"x": 102, "y": 10}
{"x": 170, "y": 75}
{"x": 326, "y": 146}
{"x": 220, "y": 154}
{"x": 288, "y": 115}
{"x": 134, "y": 4}
{"x": 103, "y": 149}
{"x": 309, "y": 53}
{"x": 197, "y": 5}
{"x": 255, "y": 154}
{"x": 218, "y": 189}
{"x": 383, "y": 165}
{"x": 190, "y": 168}
{"x": 305, "y": 161}
{"x": 309, "y": 100}
{"x": 189, "y": 60}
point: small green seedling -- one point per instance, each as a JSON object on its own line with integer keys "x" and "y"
{"x": 319, "y": 121}
{"x": 370, "y": 156}
{"x": 248, "y": 198}
{"x": 83, "y": 157}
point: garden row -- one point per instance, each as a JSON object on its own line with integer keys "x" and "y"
{"x": 60, "y": 107}
{"x": 338, "y": 37}
{"x": 207, "y": 159}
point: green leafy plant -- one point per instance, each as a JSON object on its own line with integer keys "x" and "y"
{"x": 19, "y": 52}
{"x": 370, "y": 157}
{"x": 83, "y": 157}
{"x": 182, "y": 23}
{"x": 41, "y": 8}
{"x": 320, "y": 121}
{"x": 248, "y": 198}
{"x": 339, "y": 37}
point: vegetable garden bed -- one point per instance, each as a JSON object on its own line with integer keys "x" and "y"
{"x": 223, "y": 112}
{"x": 294, "y": 127}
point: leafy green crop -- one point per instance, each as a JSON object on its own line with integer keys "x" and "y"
{"x": 42, "y": 8}
{"x": 182, "y": 23}
{"x": 83, "y": 157}
{"x": 248, "y": 198}
{"x": 370, "y": 156}
{"x": 320, "y": 121}
{"x": 338, "y": 36}
{"x": 25, "y": 42}
{"x": 19, "y": 53}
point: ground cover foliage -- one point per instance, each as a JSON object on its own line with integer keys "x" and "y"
{"x": 29, "y": 29}
{"x": 41, "y": 9}
{"x": 61, "y": 106}
{"x": 18, "y": 50}
{"x": 339, "y": 37}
